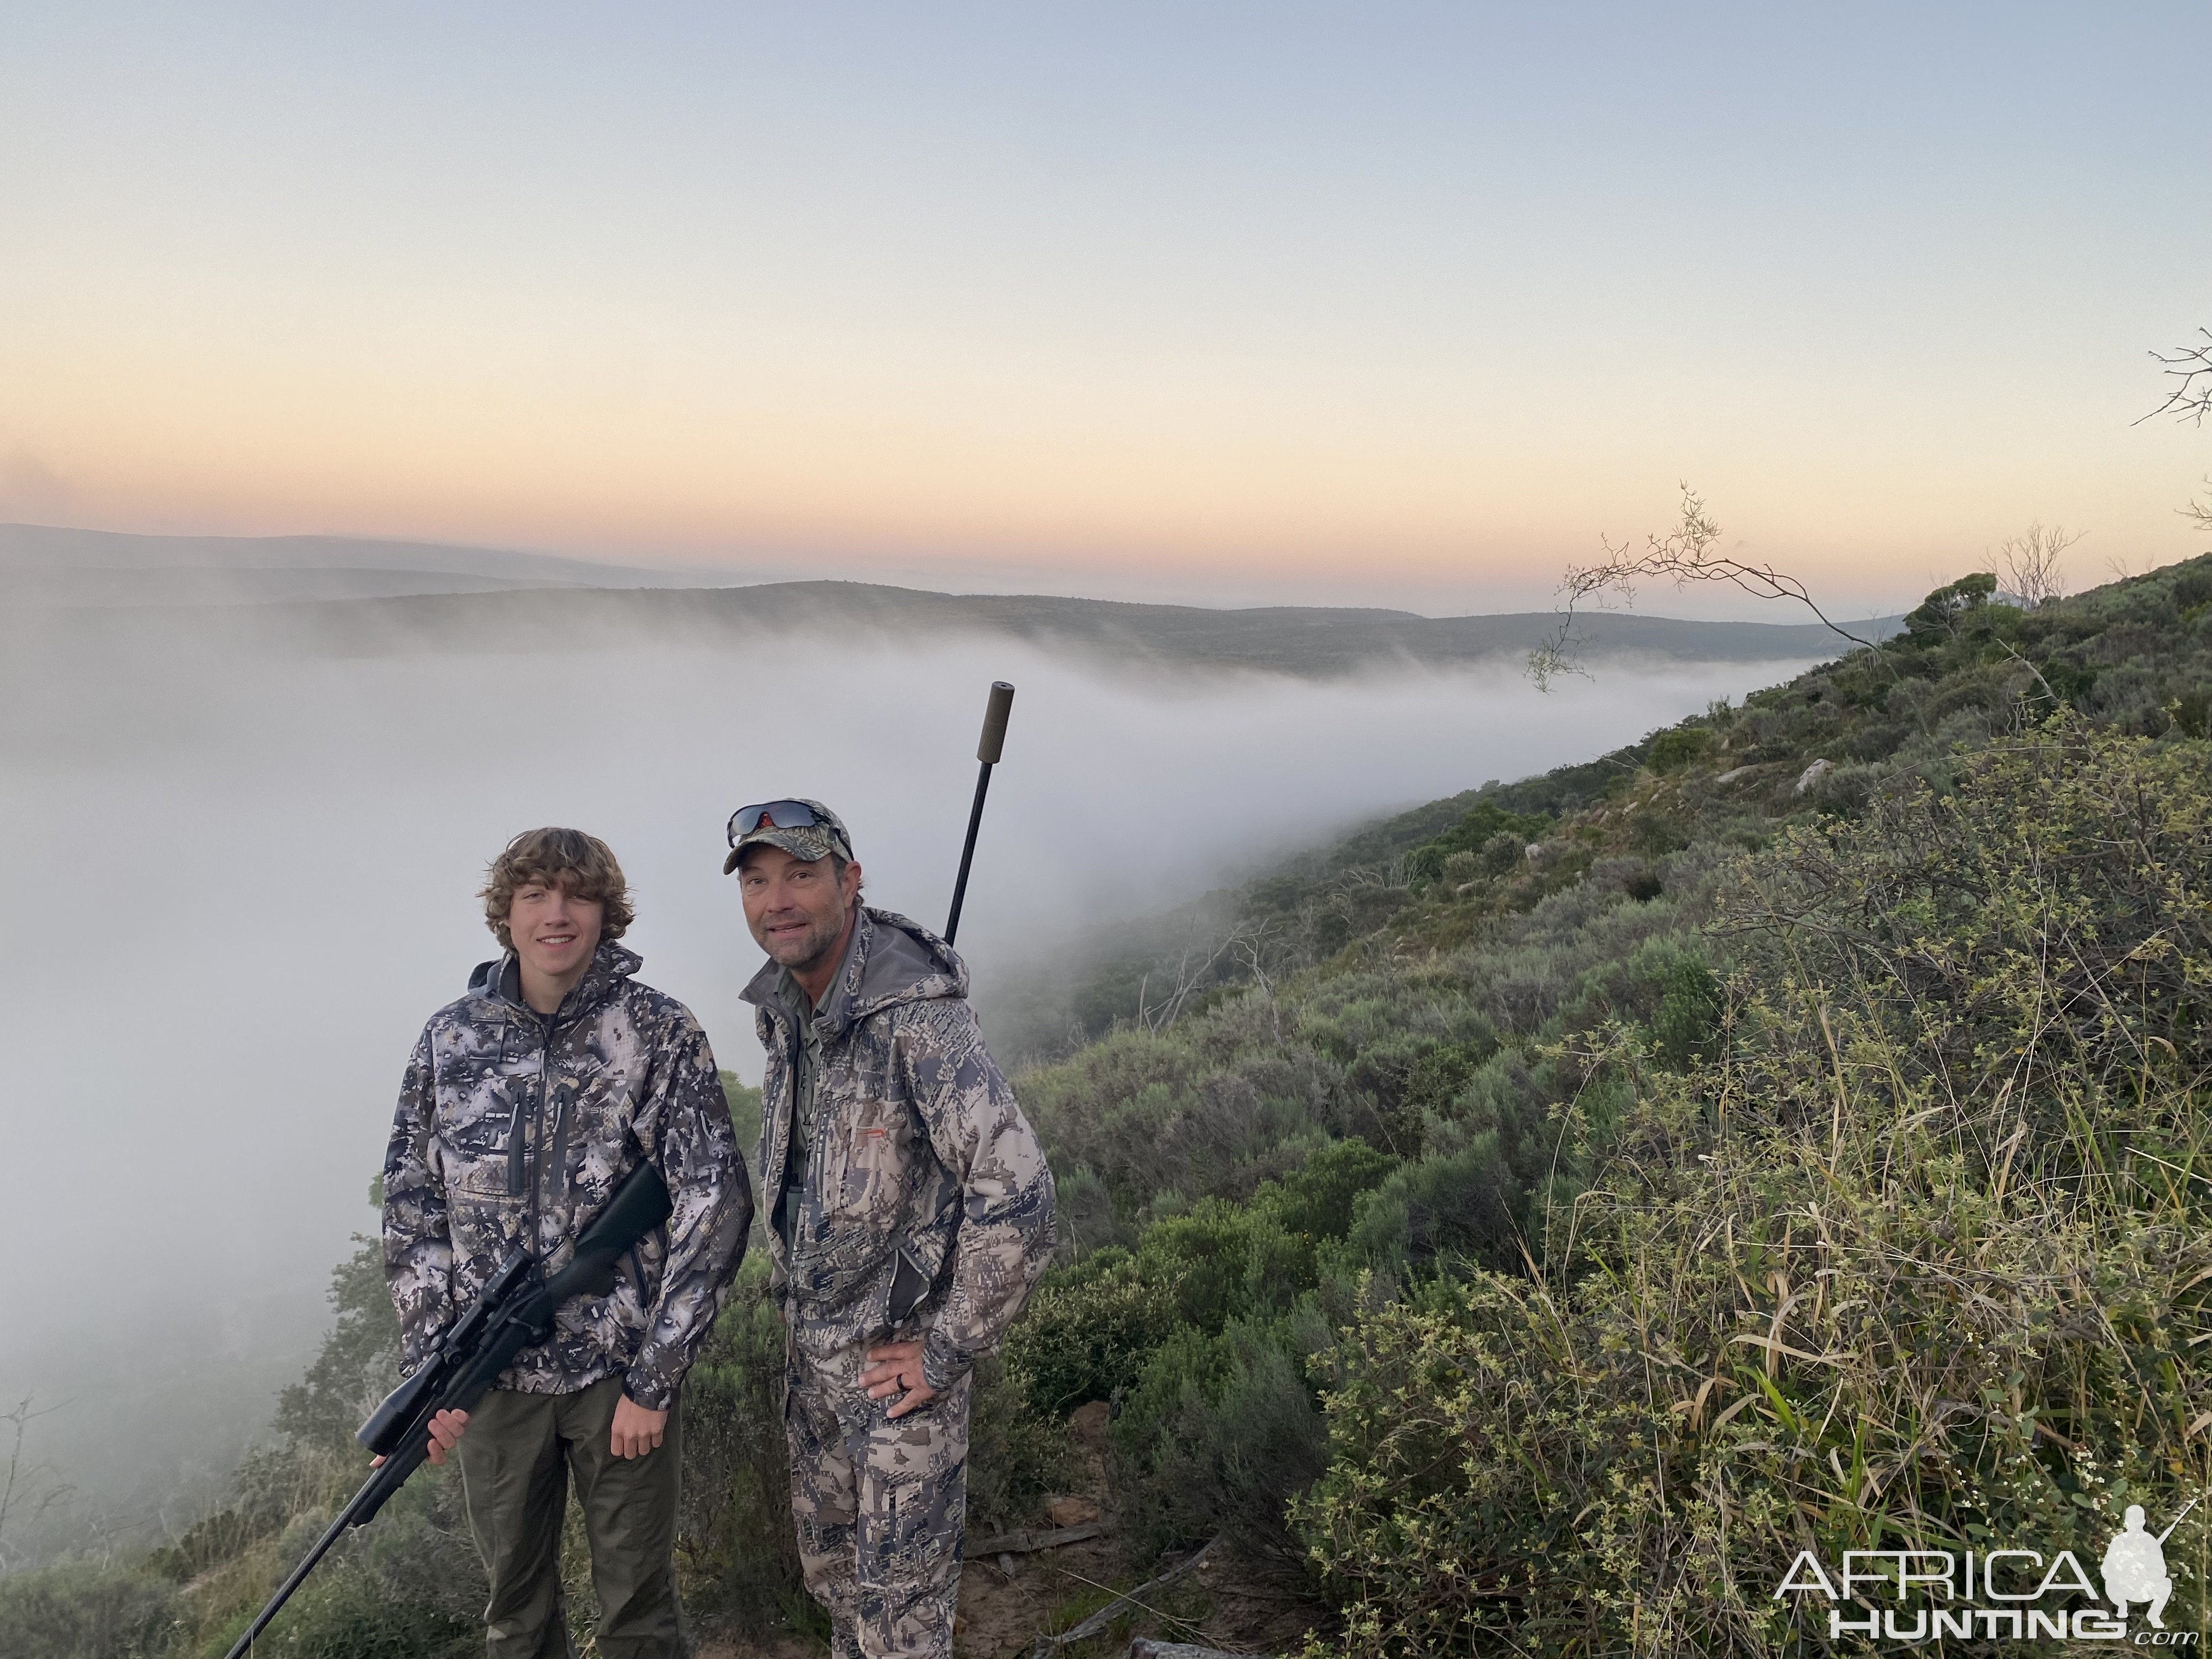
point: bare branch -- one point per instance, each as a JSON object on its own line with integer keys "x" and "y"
{"x": 1688, "y": 553}
{"x": 26, "y": 1486}
{"x": 2200, "y": 513}
{"x": 2190, "y": 367}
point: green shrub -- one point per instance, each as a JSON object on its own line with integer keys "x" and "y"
{"x": 1686, "y": 1022}
{"x": 1315, "y": 1201}
{"x": 1088, "y": 1329}
{"x": 1220, "y": 1432}
{"x": 211, "y": 1541}
{"x": 348, "y": 1611}
{"x": 1448, "y": 1209}
{"x": 358, "y": 1363}
{"x": 1676, "y": 747}
{"x": 1015, "y": 1453}
{"x": 1482, "y": 825}
{"x": 79, "y": 1610}
{"x": 734, "y": 1535}
{"x": 1093, "y": 1324}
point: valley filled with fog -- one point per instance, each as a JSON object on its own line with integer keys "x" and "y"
{"x": 239, "y": 879}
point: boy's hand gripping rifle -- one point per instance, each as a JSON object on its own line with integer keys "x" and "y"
{"x": 514, "y": 1313}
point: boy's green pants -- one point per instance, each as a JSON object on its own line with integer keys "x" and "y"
{"x": 518, "y": 1456}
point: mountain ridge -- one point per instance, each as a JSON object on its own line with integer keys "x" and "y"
{"x": 1309, "y": 641}
{"x": 37, "y": 546}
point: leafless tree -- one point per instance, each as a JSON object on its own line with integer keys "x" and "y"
{"x": 1251, "y": 944}
{"x": 2032, "y": 569}
{"x": 2190, "y": 398}
{"x": 1688, "y": 553}
{"x": 1250, "y": 941}
{"x": 1192, "y": 966}
{"x": 27, "y": 1490}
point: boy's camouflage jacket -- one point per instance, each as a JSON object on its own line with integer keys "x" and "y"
{"x": 512, "y": 1126}
{"x": 926, "y": 1202}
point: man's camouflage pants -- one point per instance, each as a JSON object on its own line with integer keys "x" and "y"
{"x": 880, "y": 1503}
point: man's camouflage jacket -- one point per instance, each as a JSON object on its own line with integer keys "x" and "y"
{"x": 926, "y": 1205}
{"x": 516, "y": 1127}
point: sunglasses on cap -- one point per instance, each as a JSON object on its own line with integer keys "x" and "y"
{"x": 778, "y": 815}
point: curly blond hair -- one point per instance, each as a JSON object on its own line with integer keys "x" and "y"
{"x": 583, "y": 867}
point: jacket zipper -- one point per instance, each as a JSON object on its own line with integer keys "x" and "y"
{"x": 555, "y": 1170}
{"x": 790, "y": 1133}
{"x": 518, "y": 1106}
{"x": 537, "y": 1121}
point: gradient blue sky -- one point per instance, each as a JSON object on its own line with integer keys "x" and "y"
{"x": 1400, "y": 304}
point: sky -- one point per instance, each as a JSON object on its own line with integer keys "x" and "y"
{"x": 1383, "y": 303}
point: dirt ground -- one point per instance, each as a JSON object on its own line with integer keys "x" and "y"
{"x": 1006, "y": 1602}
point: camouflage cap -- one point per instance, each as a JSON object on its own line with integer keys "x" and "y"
{"x": 804, "y": 841}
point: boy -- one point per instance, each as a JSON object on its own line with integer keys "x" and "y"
{"x": 524, "y": 1106}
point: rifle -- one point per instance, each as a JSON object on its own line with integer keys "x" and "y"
{"x": 511, "y": 1315}
{"x": 996, "y": 707}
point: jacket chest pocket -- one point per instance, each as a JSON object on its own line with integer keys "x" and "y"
{"x": 878, "y": 1152}
{"x": 478, "y": 1131}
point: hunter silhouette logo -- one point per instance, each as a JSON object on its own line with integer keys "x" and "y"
{"x": 2134, "y": 1565}
{"x": 2009, "y": 1595}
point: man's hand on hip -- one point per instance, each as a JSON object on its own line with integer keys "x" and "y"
{"x": 636, "y": 1430}
{"x": 897, "y": 1370}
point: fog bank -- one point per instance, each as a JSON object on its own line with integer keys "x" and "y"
{"x": 239, "y": 884}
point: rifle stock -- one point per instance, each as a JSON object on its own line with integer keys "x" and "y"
{"x": 507, "y": 1318}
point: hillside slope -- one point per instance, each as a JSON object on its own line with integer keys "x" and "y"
{"x": 2132, "y": 656}
{"x": 1456, "y": 1161}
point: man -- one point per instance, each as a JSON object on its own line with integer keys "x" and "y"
{"x": 911, "y": 1214}
{"x": 524, "y": 1106}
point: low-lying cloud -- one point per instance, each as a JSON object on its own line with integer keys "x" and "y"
{"x": 239, "y": 885}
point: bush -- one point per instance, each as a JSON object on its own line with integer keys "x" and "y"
{"x": 1447, "y": 1210}
{"x": 1485, "y": 827}
{"x": 1676, "y": 747}
{"x": 1685, "y": 1023}
{"x": 1220, "y": 1432}
{"x": 1088, "y": 1329}
{"x": 78, "y": 1610}
{"x": 352, "y": 1611}
{"x": 1015, "y": 1453}
{"x": 734, "y": 1536}
{"x": 358, "y": 1364}
{"x": 211, "y": 1542}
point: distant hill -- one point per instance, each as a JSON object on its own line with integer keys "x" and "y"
{"x": 46, "y": 587}
{"x": 43, "y": 566}
{"x": 358, "y": 597}
{"x": 1310, "y": 642}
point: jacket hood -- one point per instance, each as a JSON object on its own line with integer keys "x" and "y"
{"x": 500, "y": 980}
{"x": 889, "y": 961}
